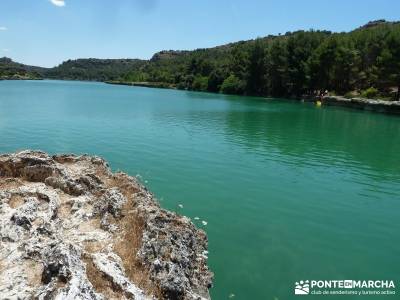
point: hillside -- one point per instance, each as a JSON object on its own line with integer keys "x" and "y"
{"x": 13, "y": 70}
{"x": 363, "y": 62}
{"x": 94, "y": 69}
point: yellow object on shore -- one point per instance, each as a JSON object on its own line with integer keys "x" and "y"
{"x": 318, "y": 103}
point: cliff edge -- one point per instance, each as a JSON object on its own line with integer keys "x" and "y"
{"x": 71, "y": 229}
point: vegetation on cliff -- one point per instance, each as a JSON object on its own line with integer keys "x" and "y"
{"x": 365, "y": 62}
{"x": 94, "y": 69}
{"x": 303, "y": 62}
{"x": 12, "y": 70}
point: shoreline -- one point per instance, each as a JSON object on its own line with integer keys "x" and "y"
{"x": 379, "y": 106}
{"x": 158, "y": 85}
{"x": 20, "y": 78}
{"x": 373, "y": 105}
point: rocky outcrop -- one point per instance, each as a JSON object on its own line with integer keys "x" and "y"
{"x": 391, "y": 107}
{"x": 71, "y": 229}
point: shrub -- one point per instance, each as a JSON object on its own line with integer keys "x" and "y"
{"x": 232, "y": 85}
{"x": 215, "y": 80}
{"x": 369, "y": 93}
{"x": 200, "y": 83}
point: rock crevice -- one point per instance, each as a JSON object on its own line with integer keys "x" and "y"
{"x": 71, "y": 229}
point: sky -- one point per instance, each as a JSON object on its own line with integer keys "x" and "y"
{"x": 47, "y": 32}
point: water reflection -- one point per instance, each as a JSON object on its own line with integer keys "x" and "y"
{"x": 326, "y": 136}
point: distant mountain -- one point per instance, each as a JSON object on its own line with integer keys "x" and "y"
{"x": 94, "y": 69}
{"x": 13, "y": 70}
{"x": 79, "y": 69}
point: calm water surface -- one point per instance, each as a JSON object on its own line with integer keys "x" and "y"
{"x": 289, "y": 191}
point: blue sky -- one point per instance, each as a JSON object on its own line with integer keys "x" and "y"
{"x": 47, "y": 32}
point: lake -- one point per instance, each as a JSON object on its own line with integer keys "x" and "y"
{"x": 289, "y": 191}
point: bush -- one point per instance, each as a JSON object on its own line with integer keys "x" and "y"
{"x": 200, "y": 83}
{"x": 215, "y": 80}
{"x": 232, "y": 85}
{"x": 370, "y": 93}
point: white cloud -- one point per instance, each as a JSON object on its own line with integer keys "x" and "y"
{"x": 3, "y": 28}
{"x": 59, "y": 3}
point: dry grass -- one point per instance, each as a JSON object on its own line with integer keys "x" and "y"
{"x": 126, "y": 242}
{"x": 10, "y": 183}
{"x": 16, "y": 201}
{"x": 127, "y": 188}
{"x": 127, "y": 246}
{"x": 94, "y": 246}
{"x": 100, "y": 282}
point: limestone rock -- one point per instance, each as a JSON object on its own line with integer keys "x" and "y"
{"x": 71, "y": 229}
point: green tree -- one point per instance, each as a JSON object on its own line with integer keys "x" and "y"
{"x": 277, "y": 68}
{"x": 256, "y": 70}
{"x": 215, "y": 80}
{"x": 389, "y": 63}
{"x": 286, "y": 65}
{"x": 238, "y": 62}
{"x": 200, "y": 83}
{"x": 345, "y": 69}
{"x": 232, "y": 85}
{"x": 321, "y": 64}
{"x": 300, "y": 47}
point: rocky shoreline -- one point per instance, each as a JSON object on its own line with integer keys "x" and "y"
{"x": 380, "y": 106}
{"x": 71, "y": 229}
{"x": 374, "y": 105}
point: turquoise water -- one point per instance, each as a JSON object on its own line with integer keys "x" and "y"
{"x": 289, "y": 191}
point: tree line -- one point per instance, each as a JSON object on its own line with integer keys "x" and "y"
{"x": 13, "y": 70}
{"x": 365, "y": 61}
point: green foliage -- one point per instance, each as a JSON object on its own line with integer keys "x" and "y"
{"x": 215, "y": 80}
{"x": 256, "y": 71}
{"x": 200, "y": 83}
{"x": 388, "y": 63}
{"x": 370, "y": 93}
{"x": 300, "y": 47}
{"x": 294, "y": 64}
{"x": 12, "y": 70}
{"x": 238, "y": 61}
{"x": 134, "y": 76}
{"x": 232, "y": 85}
{"x": 277, "y": 65}
{"x": 99, "y": 69}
